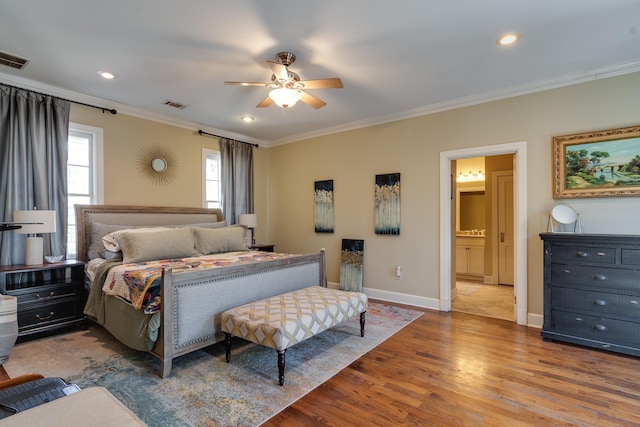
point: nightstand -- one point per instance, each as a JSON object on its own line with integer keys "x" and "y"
{"x": 263, "y": 248}
{"x": 50, "y": 296}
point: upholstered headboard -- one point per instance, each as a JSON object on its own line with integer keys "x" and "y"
{"x": 151, "y": 216}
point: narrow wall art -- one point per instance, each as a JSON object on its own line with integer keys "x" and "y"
{"x": 387, "y": 213}
{"x": 323, "y": 206}
{"x": 351, "y": 265}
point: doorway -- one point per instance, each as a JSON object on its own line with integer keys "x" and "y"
{"x": 447, "y": 218}
{"x": 484, "y": 237}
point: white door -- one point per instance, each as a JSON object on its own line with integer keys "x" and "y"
{"x": 506, "y": 261}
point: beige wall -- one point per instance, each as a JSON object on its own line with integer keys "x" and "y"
{"x": 412, "y": 147}
{"x": 284, "y": 177}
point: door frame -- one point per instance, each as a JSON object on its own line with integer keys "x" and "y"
{"x": 447, "y": 228}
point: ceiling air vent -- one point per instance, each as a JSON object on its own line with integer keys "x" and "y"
{"x": 174, "y": 104}
{"x": 12, "y": 61}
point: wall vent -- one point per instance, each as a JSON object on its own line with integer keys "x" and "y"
{"x": 12, "y": 61}
{"x": 174, "y": 104}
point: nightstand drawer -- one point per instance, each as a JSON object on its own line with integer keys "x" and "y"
{"x": 43, "y": 294}
{"x": 601, "y": 277}
{"x": 46, "y": 314}
{"x": 595, "y": 328}
{"x": 598, "y": 303}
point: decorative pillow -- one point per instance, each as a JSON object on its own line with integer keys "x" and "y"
{"x": 159, "y": 244}
{"x": 98, "y": 231}
{"x": 219, "y": 224}
{"x": 110, "y": 241}
{"x": 220, "y": 240}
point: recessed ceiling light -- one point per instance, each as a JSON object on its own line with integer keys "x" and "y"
{"x": 247, "y": 119}
{"x": 106, "y": 75}
{"x": 508, "y": 39}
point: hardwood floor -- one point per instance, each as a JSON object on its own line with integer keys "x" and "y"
{"x": 459, "y": 369}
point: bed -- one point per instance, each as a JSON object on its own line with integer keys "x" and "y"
{"x": 192, "y": 300}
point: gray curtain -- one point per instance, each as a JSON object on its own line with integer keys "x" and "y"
{"x": 34, "y": 130}
{"x": 236, "y": 170}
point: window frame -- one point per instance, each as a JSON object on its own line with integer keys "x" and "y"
{"x": 96, "y": 165}
{"x": 206, "y": 152}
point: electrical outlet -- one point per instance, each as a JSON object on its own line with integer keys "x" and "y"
{"x": 398, "y": 272}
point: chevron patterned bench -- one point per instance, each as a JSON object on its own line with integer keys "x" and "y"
{"x": 284, "y": 320}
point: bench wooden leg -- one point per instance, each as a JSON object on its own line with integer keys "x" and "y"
{"x": 362, "y": 323}
{"x": 227, "y": 346}
{"x": 281, "y": 366}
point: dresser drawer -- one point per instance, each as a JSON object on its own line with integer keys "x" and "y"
{"x": 615, "y": 278}
{"x": 630, "y": 256}
{"x": 46, "y": 314}
{"x": 43, "y": 294}
{"x": 598, "y": 303}
{"x": 595, "y": 328}
{"x": 583, "y": 253}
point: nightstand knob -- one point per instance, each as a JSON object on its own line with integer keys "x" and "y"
{"x": 51, "y": 314}
{"x": 582, "y": 254}
{"x": 600, "y": 302}
{"x": 51, "y": 295}
{"x": 601, "y": 277}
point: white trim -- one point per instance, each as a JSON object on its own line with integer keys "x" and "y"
{"x": 206, "y": 152}
{"x": 519, "y": 149}
{"x": 539, "y": 86}
{"x": 400, "y": 298}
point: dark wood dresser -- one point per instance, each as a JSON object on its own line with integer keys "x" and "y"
{"x": 592, "y": 290}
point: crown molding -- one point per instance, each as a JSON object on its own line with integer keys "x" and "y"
{"x": 539, "y": 86}
{"x": 121, "y": 108}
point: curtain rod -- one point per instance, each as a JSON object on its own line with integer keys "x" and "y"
{"x": 201, "y": 132}
{"x": 111, "y": 110}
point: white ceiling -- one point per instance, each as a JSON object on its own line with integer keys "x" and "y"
{"x": 397, "y": 59}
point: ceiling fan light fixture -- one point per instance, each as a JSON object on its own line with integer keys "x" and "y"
{"x": 285, "y": 98}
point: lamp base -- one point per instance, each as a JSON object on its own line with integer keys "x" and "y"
{"x": 34, "y": 251}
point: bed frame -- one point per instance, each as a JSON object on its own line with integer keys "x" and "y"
{"x": 193, "y": 301}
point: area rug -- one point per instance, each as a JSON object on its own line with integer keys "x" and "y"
{"x": 203, "y": 390}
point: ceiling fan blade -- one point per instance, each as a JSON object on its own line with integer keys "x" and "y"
{"x": 311, "y": 100}
{"x": 279, "y": 70}
{"x": 332, "y": 83}
{"x": 248, "y": 84}
{"x": 265, "y": 102}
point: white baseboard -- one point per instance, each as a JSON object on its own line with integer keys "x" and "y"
{"x": 533, "y": 320}
{"x": 430, "y": 303}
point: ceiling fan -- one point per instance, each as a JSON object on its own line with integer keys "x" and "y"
{"x": 287, "y": 88}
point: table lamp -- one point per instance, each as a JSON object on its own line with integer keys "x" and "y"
{"x": 34, "y": 222}
{"x": 250, "y": 221}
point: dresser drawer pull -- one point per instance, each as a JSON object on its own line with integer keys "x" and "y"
{"x": 51, "y": 295}
{"x": 600, "y": 254}
{"x": 633, "y": 301}
{"x": 600, "y": 277}
{"x": 51, "y": 314}
{"x": 600, "y": 328}
{"x": 582, "y": 254}
{"x": 600, "y": 302}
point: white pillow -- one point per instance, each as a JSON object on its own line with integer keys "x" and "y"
{"x": 110, "y": 241}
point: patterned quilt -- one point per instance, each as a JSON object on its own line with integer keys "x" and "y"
{"x": 139, "y": 283}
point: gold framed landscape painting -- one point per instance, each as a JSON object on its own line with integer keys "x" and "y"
{"x": 597, "y": 164}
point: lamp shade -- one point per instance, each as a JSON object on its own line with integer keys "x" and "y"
{"x": 284, "y": 97}
{"x": 249, "y": 220}
{"x": 35, "y": 221}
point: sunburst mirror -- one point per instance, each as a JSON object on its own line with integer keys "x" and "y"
{"x": 158, "y": 164}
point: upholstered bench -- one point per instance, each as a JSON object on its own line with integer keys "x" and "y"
{"x": 284, "y": 320}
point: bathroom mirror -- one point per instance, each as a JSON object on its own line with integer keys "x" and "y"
{"x": 471, "y": 211}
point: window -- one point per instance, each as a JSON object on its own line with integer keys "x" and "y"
{"x": 212, "y": 192}
{"x": 84, "y": 175}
